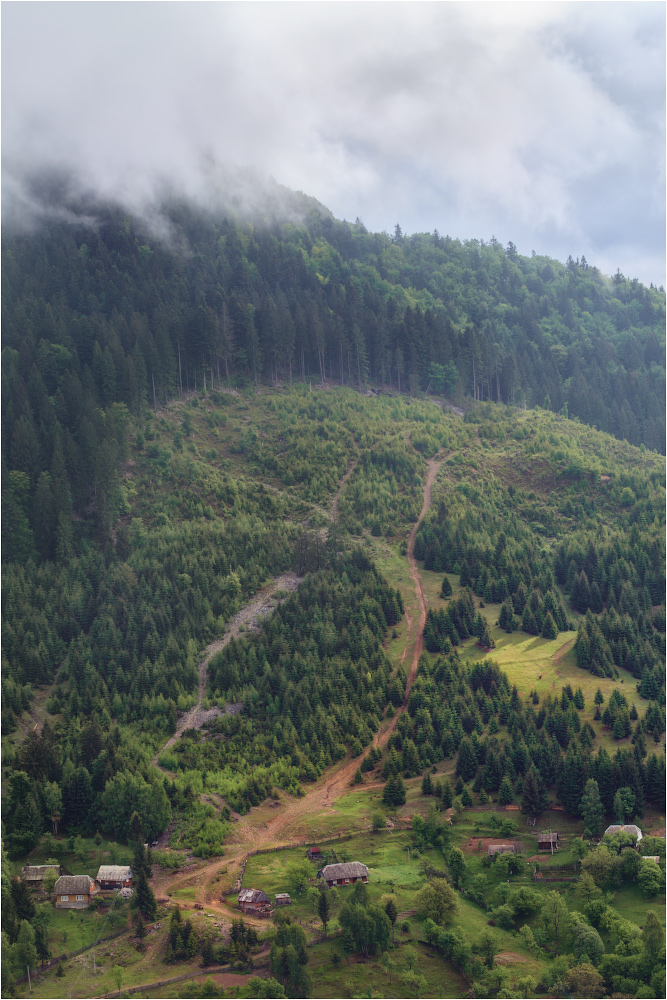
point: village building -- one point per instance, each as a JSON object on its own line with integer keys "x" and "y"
{"x": 74, "y": 892}
{"x": 344, "y": 874}
{"x": 652, "y": 857}
{"x": 547, "y": 841}
{"x": 314, "y": 853}
{"x": 283, "y": 899}
{"x": 627, "y": 828}
{"x": 113, "y": 877}
{"x": 501, "y": 849}
{"x": 255, "y": 902}
{"x": 34, "y": 875}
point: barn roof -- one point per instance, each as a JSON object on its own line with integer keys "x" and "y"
{"x": 350, "y": 869}
{"x": 35, "y": 873}
{"x": 253, "y": 896}
{"x": 113, "y": 873}
{"x": 73, "y": 884}
{"x": 550, "y": 837}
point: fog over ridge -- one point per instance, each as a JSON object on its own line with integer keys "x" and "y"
{"x": 537, "y": 123}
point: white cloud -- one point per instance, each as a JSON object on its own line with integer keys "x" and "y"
{"x": 542, "y": 123}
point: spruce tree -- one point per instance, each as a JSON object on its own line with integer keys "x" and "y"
{"x": 324, "y": 908}
{"x": 534, "y": 800}
{"x": 549, "y": 630}
{"x": 591, "y": 808}
{"x": 505, "y": 792}
{"x": 143, "y": 897}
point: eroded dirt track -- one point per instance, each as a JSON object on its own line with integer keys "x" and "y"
{"x": 262, "y": 604}
{"x": 262, "y": 828}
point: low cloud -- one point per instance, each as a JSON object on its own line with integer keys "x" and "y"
{"x": 537, "y": 123}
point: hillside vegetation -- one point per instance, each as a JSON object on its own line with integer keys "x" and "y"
{"x": 478, "y": 618}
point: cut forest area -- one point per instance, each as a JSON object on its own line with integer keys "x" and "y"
{"x": 354, "y": 632}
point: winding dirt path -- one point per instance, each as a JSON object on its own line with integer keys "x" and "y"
{"x": 285, "y": 825}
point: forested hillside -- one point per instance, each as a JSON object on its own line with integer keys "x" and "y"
{"x": 102, "y": 318}
{"x": 185, "y": 420}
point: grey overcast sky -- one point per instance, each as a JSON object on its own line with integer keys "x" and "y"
{"x": 541, "y": 123}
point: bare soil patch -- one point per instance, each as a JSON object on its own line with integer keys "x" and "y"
{"x": 509, "y": 958}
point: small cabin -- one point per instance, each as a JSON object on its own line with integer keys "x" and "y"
{"x": 501, "y": 849}
{"x": 283, "y": 899}
{"x": 313, "y": 853}
{"x": 114, "y": 877}
{"x": 652, "y": 857}
{"x": 547, "y": 841}
{"x": 34, "y": 875}
{"x": 74, "y": 892}
{"x": 344, "y": 874}
{"x": 255, "y": 902}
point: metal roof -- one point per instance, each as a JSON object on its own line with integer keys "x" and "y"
{"x": 350, "y": 869}
{"x": 113, "y": 873}
{"x": 253, "y": 896}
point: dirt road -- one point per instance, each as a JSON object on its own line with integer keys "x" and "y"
{"x": 261, "y": 828}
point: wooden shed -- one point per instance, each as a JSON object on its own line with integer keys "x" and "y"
{"x": 255, "y": 902}
{"x": 283, "y": 899}
{"x": 547, "y": 841}
{"x": 314, "y": 853}
{"x": 34, "y": 875}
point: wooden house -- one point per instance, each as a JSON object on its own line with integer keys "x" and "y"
{"x": 33, "y": 875}
{"x": 501, "y": 849}
{"x": 255, "y": 902}
{"x": 74, "y": 892}
{"x": 113, "y": 877}
{"x": 547, "y": 841}
{"x": 314, "y": 854}
{"x": 344, "y": 874}
{"x": 283, "y": 899}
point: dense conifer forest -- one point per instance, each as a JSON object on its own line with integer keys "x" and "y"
{"x": 187, "y": 416}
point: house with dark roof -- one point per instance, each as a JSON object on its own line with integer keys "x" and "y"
{"x": 254, "y": 901}
{"x": 344, "y": 874}
{"x": 74, "y": 892}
